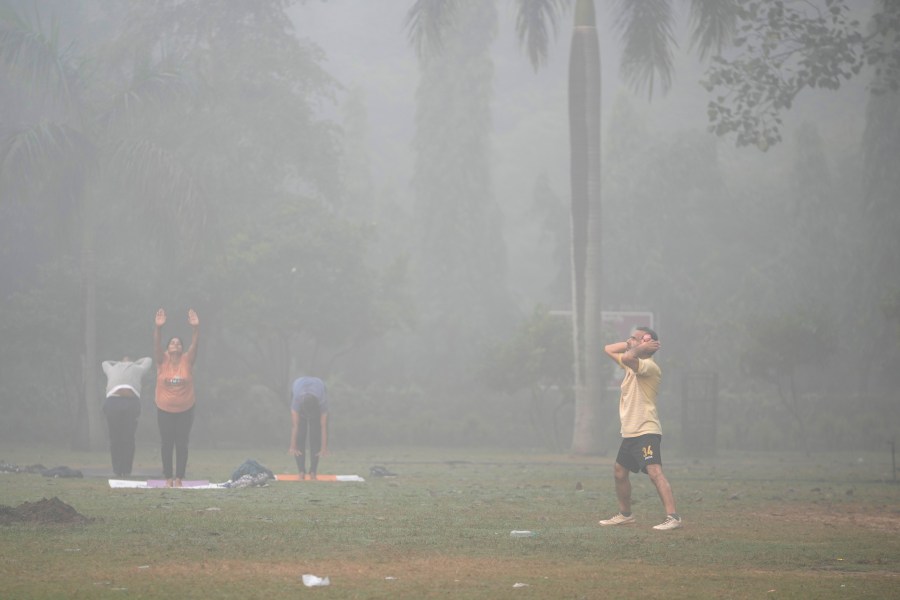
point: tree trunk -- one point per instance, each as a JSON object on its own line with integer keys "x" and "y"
{"x": 95, "y": 430}
{"x": 584, "y": 132}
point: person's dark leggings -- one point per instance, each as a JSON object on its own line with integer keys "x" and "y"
{"x": 175, "y": 432}
{"x": 122, "y": 414}
{"x": 312, "y": 424}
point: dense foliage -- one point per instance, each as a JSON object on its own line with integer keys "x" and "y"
{"x": 176, "y": 154}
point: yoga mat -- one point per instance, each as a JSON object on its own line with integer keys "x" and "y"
{"x": 339, "y": 478}
{"x": 187, "y": 483}
{"x": 200, "y": 484}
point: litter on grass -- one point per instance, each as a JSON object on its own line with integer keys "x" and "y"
{"x": 521, "y": 533}
{"x": 310, "y": 580}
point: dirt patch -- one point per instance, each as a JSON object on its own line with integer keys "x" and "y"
{"x": 811, "y": 513}
{"x": 53, "y": 510}
{"x": 6, "y": 467}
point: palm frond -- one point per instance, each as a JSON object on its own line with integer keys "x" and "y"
{"x": 713, "y": 24}
{"x": 168, "y": 189}
{"x": 36, "y": 58}
{"x": 646, "y": 29}
{"x": 147, "y": 95}
{"x": 536, "y": 20}
{"x": 34, "y": 155}
{"x": 426, "y": 23}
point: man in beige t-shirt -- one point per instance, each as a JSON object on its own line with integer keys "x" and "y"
{"x": 641, "y": 432}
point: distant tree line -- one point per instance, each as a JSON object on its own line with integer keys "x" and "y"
{"x": 164, "y": 154}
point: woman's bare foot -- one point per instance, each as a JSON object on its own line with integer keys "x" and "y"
{"x": 302, "y": 476}
{"x": 178, "y": 482}
{"x": 169, "y": 483}
{"x": 312, "y": 476}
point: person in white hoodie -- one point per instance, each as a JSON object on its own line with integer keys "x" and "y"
{"x": 122, "y": 408}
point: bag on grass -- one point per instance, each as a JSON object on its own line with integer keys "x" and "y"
{"x": 251, "y": 467}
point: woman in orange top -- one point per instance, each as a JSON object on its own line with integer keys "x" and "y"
{"x": 175, "y": 396}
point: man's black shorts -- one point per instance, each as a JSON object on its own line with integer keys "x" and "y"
{"x": 638, "y": 452}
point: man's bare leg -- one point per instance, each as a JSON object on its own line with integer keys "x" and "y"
{"x": 623, "y": 489}
{"x": 662, "y": 488}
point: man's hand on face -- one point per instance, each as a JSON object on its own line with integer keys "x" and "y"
{"x": 647, "y": 347}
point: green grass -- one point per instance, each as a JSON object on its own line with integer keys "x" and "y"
{"x": 825, "y": 527}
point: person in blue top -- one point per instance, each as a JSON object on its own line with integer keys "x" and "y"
{"x": 309, "y": 415}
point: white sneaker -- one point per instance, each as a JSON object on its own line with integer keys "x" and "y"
{"x": 619, "y": 519}
{"x": 670, "y": 523}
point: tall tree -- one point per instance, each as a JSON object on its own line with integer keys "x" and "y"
{"x": 461, "y": 256}
{"x": 272, "y": 166}
{"x": 881, "y": 193}
{"x": 585, "y": 173}
{"x": 784, "y": 48}
{"x": 64, "y": 150}
{"x": 556, "y": 226}
{"x": 281, "y": 280}
{"x": 646, "y": 27}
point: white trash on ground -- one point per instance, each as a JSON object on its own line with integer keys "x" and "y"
{"x": 521, "y": 533}
{"x": 310, "y": 580}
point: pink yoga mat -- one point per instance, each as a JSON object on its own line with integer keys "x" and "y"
{"x": 320, "y": 477}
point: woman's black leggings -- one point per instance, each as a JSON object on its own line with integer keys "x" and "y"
{"x": 122, "y": 414}
{"x": 313, "y": 424}
{"x": 174, "y": 433}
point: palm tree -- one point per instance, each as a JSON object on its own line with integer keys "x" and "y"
{"x": 585, "y": 174}
{"x": 460, "y": 262}
{"x": 646, "y": 27}
{"x": 78, "y": 144}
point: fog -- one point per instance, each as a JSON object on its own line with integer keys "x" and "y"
{"x": 332, "y": 204}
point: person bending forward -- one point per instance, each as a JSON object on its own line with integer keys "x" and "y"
{"x": 309, "y": 418}
{"x": 122, "y": 407}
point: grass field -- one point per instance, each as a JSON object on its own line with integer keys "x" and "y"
{"x": 756, "y": 526}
